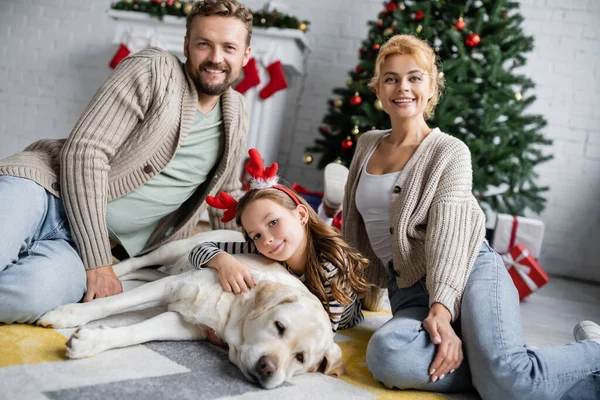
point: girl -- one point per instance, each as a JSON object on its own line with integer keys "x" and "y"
{"x": 281, "y": 226}
{"x": 424, "y": 236}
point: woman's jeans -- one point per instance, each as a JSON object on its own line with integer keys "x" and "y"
{"x": 497, "y": 363}
{"x": 40, "y": 268}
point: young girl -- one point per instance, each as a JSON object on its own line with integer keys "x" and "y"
{"x": 409, "y": 208}
{"x": 281, "y": 226}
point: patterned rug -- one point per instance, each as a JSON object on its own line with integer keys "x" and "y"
{"x": 33, "y": 366}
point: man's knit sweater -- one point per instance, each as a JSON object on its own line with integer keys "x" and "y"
{"x": 126, "y": 135}
{"x": 437, "y": 227}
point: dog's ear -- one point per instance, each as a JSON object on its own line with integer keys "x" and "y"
{"x": 332, "y": 362}
{"x": 268, "y": 295}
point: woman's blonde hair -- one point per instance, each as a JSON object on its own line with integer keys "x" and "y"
{"x": 423, "y": 55}
{"x": 324, "y": 244}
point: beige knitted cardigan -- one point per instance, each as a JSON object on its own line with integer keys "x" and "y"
{"x": 126, "y": 135}
{"x": 437, "y": 227}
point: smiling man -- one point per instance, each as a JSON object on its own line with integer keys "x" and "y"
{"x": 156, "y": 139}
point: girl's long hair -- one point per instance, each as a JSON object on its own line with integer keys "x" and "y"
{"x": 323, "y": 244}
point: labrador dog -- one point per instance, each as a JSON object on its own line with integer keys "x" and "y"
{"x": 275, "y": 331}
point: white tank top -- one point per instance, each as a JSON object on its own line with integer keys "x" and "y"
{"x": 373, "y": 200}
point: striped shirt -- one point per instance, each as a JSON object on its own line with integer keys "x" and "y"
{"x": 340, "y": 317}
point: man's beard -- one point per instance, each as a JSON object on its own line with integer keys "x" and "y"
{"x": 206, "y": 88}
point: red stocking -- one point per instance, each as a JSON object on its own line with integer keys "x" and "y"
{"x": 277, "y": 82}
{"x": 251, "y": 77}
{"x": 119, "y": 55}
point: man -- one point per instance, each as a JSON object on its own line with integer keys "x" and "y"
{"x": 157, "y": 138}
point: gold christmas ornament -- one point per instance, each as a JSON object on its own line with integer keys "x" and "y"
{"x": 387, "y": 32}
{"x": 177, "y": 4}
{"x": 518, "y": 96}
{"x": 337, "y": 160}
{"x": 307, "y": 158}
{"x": 402, "y": 6}
{"x": 377, "y": 104}
{"x": 419, "y": 28}
{"x": 349, "y": 82}
{"x": 355, "y": 130}
{"x": 263, "y": 21}
{"x": 187, "y": 8}
{"x": 128, "y": 1}
{"x": 337, "y": 103}
{"x": 302, "y": 27}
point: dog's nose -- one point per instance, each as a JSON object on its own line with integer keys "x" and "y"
{"x": 266, "y": 366}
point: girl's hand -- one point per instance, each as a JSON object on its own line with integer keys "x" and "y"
{"x": 234, "y": 276}
{"x": 449, "y": 352}
{"x": 214, "y": 339}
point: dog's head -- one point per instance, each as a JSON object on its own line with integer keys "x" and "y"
{"x": 287, "y": 333}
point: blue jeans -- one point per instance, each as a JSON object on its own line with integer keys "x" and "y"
{"x": 497, "y": 363}
{"x": 40, "y": 268}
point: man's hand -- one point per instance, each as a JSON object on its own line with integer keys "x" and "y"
{"x": 102, "y": 282}
{"x": 449, "y": 351}
{"x": 234, "y": 275}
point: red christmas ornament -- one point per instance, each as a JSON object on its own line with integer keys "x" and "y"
{"x": 358, "y": 69}
{"x": 376, "y": 46}
{"x": 325, "y": 129}
{"x": 170, "y": 2}
{"x": 380, "y": 23}
{"x": 472, "y": 40}
{"x": 460, "y": 24}
{"x": 391, "y": 6}
{"x": 347, "y": 144}
{"x": 419, "y": 15}
{"x": 356, "y": 99}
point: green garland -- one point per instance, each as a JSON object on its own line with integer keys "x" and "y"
{"x": 160, "y": 8}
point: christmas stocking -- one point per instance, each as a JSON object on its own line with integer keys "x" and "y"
{"x": 121, "y": 53}
{"x": 278, "y": 81}
{"x": 251, "y": 77}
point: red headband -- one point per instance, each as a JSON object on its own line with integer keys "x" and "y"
{"x": 262, "y": 178}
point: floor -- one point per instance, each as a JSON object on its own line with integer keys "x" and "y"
{"x": 549, "y": 315}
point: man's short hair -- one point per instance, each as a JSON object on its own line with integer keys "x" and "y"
{"x": 224, "y": 8}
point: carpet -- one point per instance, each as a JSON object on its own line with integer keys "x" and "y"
{"x": 33, "y": 366}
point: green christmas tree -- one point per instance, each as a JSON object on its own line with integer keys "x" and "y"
{"x": 480, "y": 45}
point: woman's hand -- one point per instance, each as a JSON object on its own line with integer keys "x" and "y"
{"x": 449, "y": 346}
{"x": 234, "y": 276}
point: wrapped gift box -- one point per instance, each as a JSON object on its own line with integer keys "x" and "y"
{"x": 511, "y": 231}
{"x": 527, "y": 275}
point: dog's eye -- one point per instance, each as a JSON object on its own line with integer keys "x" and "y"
{"x": 280, "y": 328}
{"x": 300, "y": 357}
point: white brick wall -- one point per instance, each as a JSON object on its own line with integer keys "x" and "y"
{"x": 54, "y": 55}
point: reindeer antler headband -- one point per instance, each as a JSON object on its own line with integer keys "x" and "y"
{"x": 262, "y": 178}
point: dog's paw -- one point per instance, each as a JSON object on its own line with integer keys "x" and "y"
{"x": 67, "y": 316}
{"x": 87, "y": 342}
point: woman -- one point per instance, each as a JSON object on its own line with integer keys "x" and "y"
{"x": 409, "y": 208}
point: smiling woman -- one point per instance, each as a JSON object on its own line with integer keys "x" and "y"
{"x": 426, "y": 244}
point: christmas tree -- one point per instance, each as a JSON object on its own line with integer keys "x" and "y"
{"x": 480, "y": 45}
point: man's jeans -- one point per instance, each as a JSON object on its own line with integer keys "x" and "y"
{"x": 497, "y": 363}
{"x": 40, "y": 268}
